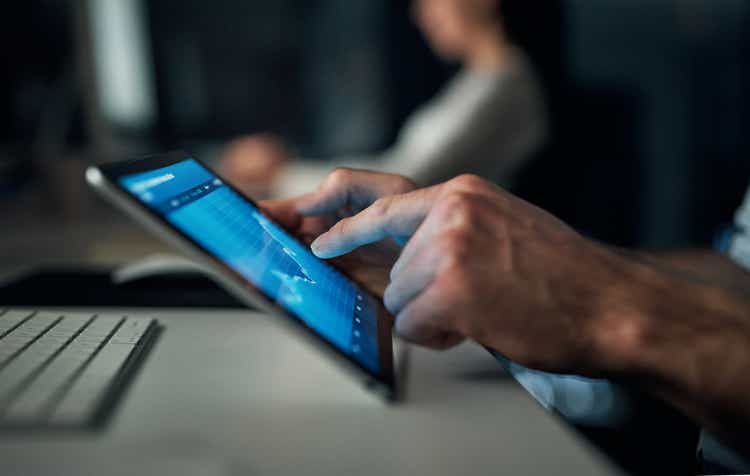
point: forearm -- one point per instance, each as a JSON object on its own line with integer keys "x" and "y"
{"x": 702, "y": 265}
{"x": 685, "y": 339}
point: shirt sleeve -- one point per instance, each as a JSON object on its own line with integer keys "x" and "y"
{"x": 739, "y": 246}
{"x": 502, "y": 131}
{"x": 712, "y": 452}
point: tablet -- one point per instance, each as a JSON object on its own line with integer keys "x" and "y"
{"x": 182, "y": 200}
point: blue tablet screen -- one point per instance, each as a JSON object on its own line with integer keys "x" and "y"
{"x": 234, "y": 231}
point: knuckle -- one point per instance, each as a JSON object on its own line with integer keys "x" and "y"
{"x": 396, "y": 268}
{"x": 419, "y": 329}
{"x": 392, "y": 295}
{"x": 446, "y": 341}
{"x": 389, "y": 298}
{"x": 342, "y": 227}
{"x": 456, "y": 199}
{"x": 404, "y": 330}
{"x": 462, "y": 206}
{"x": 380, "y": 207}
{"x": 468, "y": 182}
{"x": 402, "y": 184}
{"x": 450, "y": 295}
{"x": 339, "y": 176}
{"x": 456, "y": 285}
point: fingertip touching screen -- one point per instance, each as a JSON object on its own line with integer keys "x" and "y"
{"x": 234, "y": 231}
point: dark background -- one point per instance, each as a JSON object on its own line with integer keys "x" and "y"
{"x": 649, "y": 99}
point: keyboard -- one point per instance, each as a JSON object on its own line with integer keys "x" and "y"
{"x": 62, "y": 369}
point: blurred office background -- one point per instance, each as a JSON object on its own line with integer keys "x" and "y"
{"x": 650, "y": 102}
{"x": 649, "y": 98}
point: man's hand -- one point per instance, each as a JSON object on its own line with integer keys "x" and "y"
{"x": 482, "y": 264}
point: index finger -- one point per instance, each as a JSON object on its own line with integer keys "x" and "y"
{"x": 396, "y": 216}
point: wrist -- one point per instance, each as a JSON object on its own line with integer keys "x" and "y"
{"x": 683, "y": 340}
{"x": 669, "y": 333}
{"x": 624, "y": 318}
{"x": 652, "y": 323}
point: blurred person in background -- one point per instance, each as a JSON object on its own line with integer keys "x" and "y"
{"x": 488, "y": 120}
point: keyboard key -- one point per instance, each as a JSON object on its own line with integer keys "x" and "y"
{"x": 10, "y": 319}
{"x": 100, "y": 329}
{"x": 24, "y": 335}
{"x": 132, "y": 330}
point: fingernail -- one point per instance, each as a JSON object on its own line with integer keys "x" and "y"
{"x": 315, "y": 247}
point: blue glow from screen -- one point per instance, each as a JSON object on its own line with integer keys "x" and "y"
{"x": 199, "y": 204}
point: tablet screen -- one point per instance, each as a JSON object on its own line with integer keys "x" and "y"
{"x": 234, "y": 231}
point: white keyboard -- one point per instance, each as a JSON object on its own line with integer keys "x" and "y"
{"x": 62, "y": 369}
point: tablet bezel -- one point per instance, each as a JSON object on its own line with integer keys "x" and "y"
{"x": 106, "y": 180}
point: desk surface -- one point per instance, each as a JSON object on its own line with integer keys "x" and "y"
{"x": 231, "y": 393}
